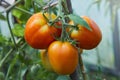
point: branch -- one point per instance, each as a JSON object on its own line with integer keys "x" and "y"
{"x": 82, "y": 67}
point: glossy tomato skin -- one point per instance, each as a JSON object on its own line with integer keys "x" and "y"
{"x": 38, "y": 34}
{"x": 45, "y": 60}
{"x": 88, "y": 39}
{"x": 63, "y": 57}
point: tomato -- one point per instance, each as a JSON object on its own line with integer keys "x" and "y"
{"x": 38, "y": 34}
{"x": 63, "y": 57}
{"x": 45, "y": 60}
{"x": 88, "y": 39}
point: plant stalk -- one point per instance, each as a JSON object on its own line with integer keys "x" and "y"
{"x": 82, "y": 67}
{"x": 9, "y": 26}
{"x": 6, "y": 56}
{"x": 25, "y": 11}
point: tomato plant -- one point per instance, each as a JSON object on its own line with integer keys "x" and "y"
{"x": 63, "y": 57}
{"x": 88, "y": 39}
{"x": 38, "y": 33}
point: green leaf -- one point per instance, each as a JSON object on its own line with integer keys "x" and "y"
{"x": 19, "y": 15}
{"x": 2, "y": 17}
{"x": 78, "y": 20}
{"x": 18, "y": 30}
{"x": 16, "y": 13}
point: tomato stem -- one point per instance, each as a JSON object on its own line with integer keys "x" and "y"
{"x": 45, "y": 17}
{"x": 9, "y": 26}
{"x": 52, "y": 23}
{"x": 81, "y": 65}
{"x": 23, "y": 10}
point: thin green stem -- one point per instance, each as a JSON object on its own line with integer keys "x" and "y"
{"x": 25, "y": 11}
{"x": 64, "y": 5}
{"x": 6, "y": 56}
{"x": 54, "y": 21}
{"x": 49, "y": 11}
{"x": 60, "y": 7}
{"x": 63, "y": 34}
{"x": 33, "y": 5}
{"x": 45, "y": 17}
{"x": 9, "y": 26}
{"x": 71, "y": 26}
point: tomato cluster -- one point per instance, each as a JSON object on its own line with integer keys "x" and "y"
{"x": 60, "y": 56}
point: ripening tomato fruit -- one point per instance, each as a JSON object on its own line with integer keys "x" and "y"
{"x": 45, "y": 60}
{"x": 88, "y": 39}
{"x": 38, "y": 34}
{"x": 63, "y": 57}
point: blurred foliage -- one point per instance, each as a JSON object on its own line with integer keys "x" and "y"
{"x": 2, "y": 17}
{"x": 18, "y": 30}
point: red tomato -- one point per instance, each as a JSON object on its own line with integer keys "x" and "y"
{"x": 38, "y": 34}
{"x": 87, "y": 39}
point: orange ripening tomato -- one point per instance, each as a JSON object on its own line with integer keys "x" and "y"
{"x": 45, "y": 60}
{"x": 88, "y": 39}
{"x": 63, "y": 57}
{"x": 38, "y": 34}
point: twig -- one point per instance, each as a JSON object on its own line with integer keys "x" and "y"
{"x": 82, "y": 67}
{"x": 9, "y": 26}
{"x": 22, "y": 10}
{"x": 6, "y": 56}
